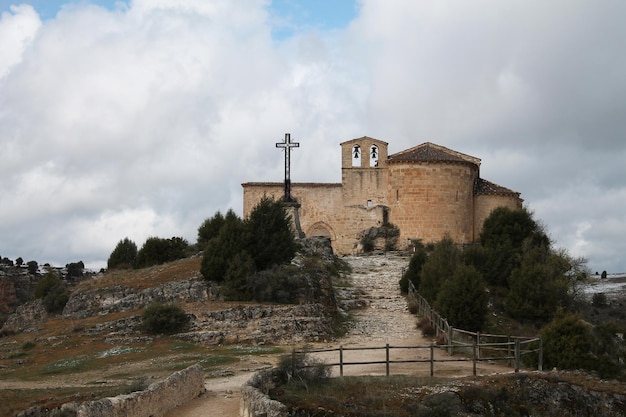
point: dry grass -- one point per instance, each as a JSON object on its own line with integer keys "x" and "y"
{"x": 401, "y": 396}
{"x": 147, "y": 277}
{"x": 63, "y": 360}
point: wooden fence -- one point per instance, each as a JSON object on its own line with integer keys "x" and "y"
{"x": 460, "y": 345}
{"x": 504, "y": 347}
{"x": 511, "y": 352}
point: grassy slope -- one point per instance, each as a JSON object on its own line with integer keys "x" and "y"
{"x": 63, "y": 361}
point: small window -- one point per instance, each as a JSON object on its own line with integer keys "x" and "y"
{"x": 369, "y": 203}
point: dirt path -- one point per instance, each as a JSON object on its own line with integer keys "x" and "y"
{"x": 385, "y": 320}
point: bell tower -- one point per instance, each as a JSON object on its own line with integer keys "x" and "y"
{"x": 364, "y": 171}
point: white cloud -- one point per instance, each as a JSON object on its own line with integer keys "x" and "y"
{"x": 147, "y": 118}
{"x": 17, "y": 29}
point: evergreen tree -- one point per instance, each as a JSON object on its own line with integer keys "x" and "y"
{"x": 412, "y": 273}
{"x": 538, "y": 286}
{"x": 503, "y": 235}
{"x": 51, "y": 290}
{"x": 567, "y": 343}
{"x": 271, "y": 241}
{"x": 210, "y": 228}
{"x": 125, "y": 253}
{"x": 463, "y": 299}
{"x": 239, "y": 277}
{"x": 33, "y": 267}
{"x": 156, "y": 251}
{"x": 439, "y": 266}
{"x": 220, "y": 249}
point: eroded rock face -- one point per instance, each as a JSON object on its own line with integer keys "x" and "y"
{"x": 119, "y": 298}
{"x": 16, "y": 287}
{"x": 261, "y": 324}
{"x": 26, "y": 316}
{"x": 317, "y": 246}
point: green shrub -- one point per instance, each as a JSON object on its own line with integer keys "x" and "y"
{"x": 300, "y": 369}
{"x": 156, "y": 251}
{"x": 367, "y": 243}
{"x": 220, "y": 249}
{"x": 28, "y": 345}
{"x": 599, "y": 300}
{"x": 33, "y": 267}
{"x": 51, "y": 290}
{"x": 164, "y": 319}
{"x": 426, "y": 327}
{"x": 270, "y": 240}
{"x": 239, "y": 277}
{"x": 438, "y": 267}
{"x": 463, "y": 299}
{"x": 265, "y": 236}
{"x": 75, "y": 269}
{"x": 567, "y": 343}
{"x": 210, "y": 228}
{"x": 412, "y": 273}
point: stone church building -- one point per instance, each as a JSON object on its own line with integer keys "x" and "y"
{"x": 426, "y": 191}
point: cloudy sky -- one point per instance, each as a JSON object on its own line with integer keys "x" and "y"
{"x": 143, "y": 117}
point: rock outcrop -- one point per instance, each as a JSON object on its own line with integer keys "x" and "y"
{"x": 100, "y": 301}
{"x": 262, "y": 324}
{"x": 25, "y": 317}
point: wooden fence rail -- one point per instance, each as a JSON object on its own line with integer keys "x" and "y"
{"x": 513, "y": 353}
{"x": 508, "y": 346}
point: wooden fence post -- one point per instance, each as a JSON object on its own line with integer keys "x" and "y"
{"x": 508, "y": 348}
{"x": 341, "y": 360}
{"x": 432, "y": 359}
{"x": 517, "y": 355}
{"x": 474, "y": 358}
{"x": 387, "y": 359}
{"x": 478, "y": 345}
{"x": 540, "y": 362}
{"x": 450, "y": 348}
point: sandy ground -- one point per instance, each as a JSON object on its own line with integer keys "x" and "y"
{"x": 385, "y": 320}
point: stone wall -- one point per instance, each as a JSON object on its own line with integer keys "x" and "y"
{"x": 157, "y": 400}
{"x": 428, "y": 200}
{"x": 486, "y": 203}
{"x": 254, "y": 399}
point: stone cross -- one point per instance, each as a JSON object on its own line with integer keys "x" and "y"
{"x": 287, "y": 144}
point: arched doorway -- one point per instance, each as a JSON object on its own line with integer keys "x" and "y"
{"x": 321, "y": 229}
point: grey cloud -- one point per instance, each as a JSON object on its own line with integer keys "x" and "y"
{"x": 145, "y": 120}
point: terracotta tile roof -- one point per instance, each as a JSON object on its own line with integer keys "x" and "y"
{"x": 430, "y": 152}
{"x": 482, "y": 186}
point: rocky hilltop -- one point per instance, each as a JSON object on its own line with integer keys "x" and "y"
{"x": 127, "y": 293}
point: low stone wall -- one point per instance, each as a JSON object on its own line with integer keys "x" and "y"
{"x": 254, "y": 399}
{"x": 157, "y": 400}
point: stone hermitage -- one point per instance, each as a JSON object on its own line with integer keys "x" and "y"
{"x": 426, "y": 191}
